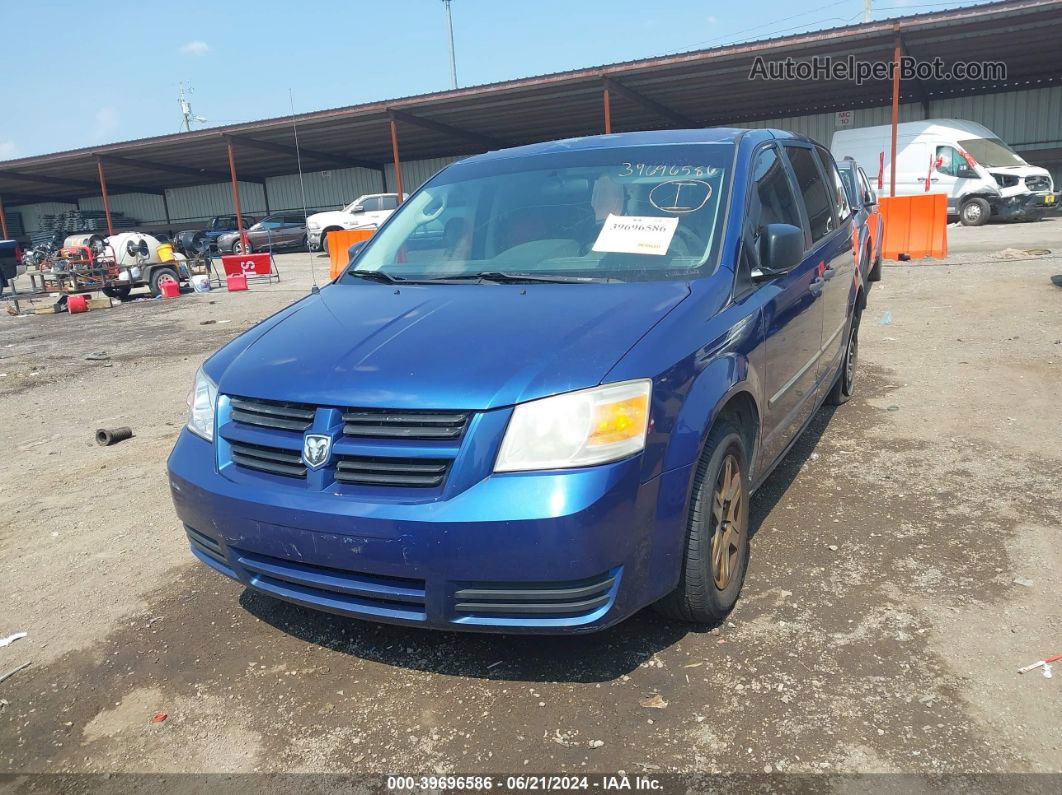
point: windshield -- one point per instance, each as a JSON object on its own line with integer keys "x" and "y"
{"x": 991, "y": 152}
{"x": 651, "y": 212}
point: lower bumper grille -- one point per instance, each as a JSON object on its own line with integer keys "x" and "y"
{"x": 335, "y": 589}
{"x": 276, "y": 460}
{"x": 538, "y": 600}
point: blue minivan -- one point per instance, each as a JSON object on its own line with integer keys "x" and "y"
{"x": 539, "y": 398}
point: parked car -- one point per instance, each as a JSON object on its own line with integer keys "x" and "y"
{"x": 277, "y": 231}
{"x": 982, "y": 176}
{"x": 11, "y": 263}
{"x": 368, "y": 211}
{"x": 192, "y": 241}
{"x": 868, "y": 220}
{"x": 553, "y": 412}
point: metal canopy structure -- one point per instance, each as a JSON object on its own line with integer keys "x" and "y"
{"x": 702, "y": 88}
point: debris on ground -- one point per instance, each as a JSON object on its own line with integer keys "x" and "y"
{"x": 105, "y": 437}
{"x": 1044, "y": 663}
{"x": 886, "y": 319}
{"x": 654, "y": 701}
{"x": 14, "y": 671}
{"x": 159, "y": 717}
{"x": 98, "y": 356}
{"x": 1024, "y": 583}
{"x": 12, "y": 638}
{"x": 1020, "y": 253}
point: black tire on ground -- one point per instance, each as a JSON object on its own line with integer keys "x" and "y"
{"x": 844, "y": 385}
{"x": 160, "y": 275}
{"x": 238, "y": 247}
{"x": 975, "y": 212}
{"x": 875, "y": 272}
{"x": 121, "y": 293}
{"x": 717, "y": 533}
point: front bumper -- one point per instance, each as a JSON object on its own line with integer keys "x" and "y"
{"x": 552, "y": 552}
{"x": 1025, "y": 207}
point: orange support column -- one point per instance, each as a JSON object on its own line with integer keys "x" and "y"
{"x": 106, "y": 199}
{"x": 236, "y": 195}
{"x": 3, "y": 219}
{"x": 895, "y": 111}
{"x": 607, "y": 99}
{"x": 394, "y": 153}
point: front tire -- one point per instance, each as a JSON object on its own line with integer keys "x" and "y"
{"x": 717, "y": 534}
{"x": 975, "y": 212}
{"x": 844, "y": 386}
{"x": 160, "y": 276}
{"x": 239, "y": 248}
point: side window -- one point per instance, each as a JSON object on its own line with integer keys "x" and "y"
{"x": 295, "y": 219}
{"x": 371, "y": 205}
{"x": 948, "y": 161}
{"x": 841, "y": 203}
{"x": 771, "y": 201}
{"x": 814, "y": 193}
{"x": 864, "y": 185}
{"x": 388, "y": 202}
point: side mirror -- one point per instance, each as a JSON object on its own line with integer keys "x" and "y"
{"x": 781, "y": 249}
{"x": 357, "y": 208}
{"x": 353, "y": 252}
{"x": 869, "y": 199}
{"x": 966, "y": 173}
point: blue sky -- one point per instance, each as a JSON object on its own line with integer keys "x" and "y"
{"x": 84, "y": 73}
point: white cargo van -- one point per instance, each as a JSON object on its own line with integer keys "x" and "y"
{"x": 982, "y": 176}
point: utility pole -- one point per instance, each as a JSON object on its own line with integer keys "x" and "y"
{"x": 868, "y": 10}
{"x": 453, "y": 58}
{"x": 187, "y": 117}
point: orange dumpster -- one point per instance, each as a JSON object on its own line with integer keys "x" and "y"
{"x": 338, "y": 243}
{"x": 915, "y": 225}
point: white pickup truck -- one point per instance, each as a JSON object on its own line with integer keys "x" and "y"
{"x": 365, "y": 212}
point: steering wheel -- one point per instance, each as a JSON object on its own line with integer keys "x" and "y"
{"x": 688, "y": 240}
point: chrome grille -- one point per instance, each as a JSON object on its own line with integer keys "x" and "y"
{"x": 413, "y": 473}
{"x": 381, "y": 423}
{"x": 272, "y": 414}
{"x": 275, "y": 460}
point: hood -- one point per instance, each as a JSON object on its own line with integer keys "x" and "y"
{"x": 442, "y": 346}
{"x": 328, "y": 217}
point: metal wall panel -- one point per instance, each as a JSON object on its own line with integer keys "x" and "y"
{"x": 325, "y": 190}
{"x": 822, "y": 126}
{"x": 200, "y": 202}
{"x": 144, "y": 207}
{"x": 1024, "y": 119}
{"x": 416, "y": 172}
{"x": 31, "y": 213}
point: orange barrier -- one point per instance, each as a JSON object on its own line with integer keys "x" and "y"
{"x": 338, "y": 243}
{"x": 915, "y": 225}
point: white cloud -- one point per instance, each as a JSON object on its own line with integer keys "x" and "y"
{"x": 194, "y": 48}
{"x": 107, "y": 121}
{"x": 8, "y": 150}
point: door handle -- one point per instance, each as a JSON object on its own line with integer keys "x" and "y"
{"x": 816, "y": 286}
{"x": 934, "y": 179}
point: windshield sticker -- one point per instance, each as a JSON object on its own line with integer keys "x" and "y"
{"x": 680, "y": 196}
{"x": 666, "y": 170}
{"x": 635, "y": 234}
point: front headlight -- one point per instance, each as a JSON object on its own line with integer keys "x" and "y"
{"x": 202, "y": 401}
{"x": 592, "y": 426}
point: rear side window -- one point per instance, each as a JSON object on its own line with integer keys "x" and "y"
{"x": 816, "y": 196}
{"x": 388, "y": 202}
{"x": 841, "y": 204}
{"x": 865, "y": 186}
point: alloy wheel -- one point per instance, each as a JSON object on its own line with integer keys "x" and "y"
{"x": 730, "y": 522}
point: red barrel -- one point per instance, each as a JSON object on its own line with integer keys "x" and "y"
{"x": 170, "y": 289}
{"x": 77, "y": 303}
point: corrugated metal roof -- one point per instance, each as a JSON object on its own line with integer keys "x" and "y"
{"x": 702, "y": 87}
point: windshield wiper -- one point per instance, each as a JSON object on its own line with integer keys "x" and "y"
{"x": 376, "y": 276}
{"x": 504, "y": 277}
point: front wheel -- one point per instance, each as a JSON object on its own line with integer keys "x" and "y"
{"x": 717, "y": 533}
{"x": 844, "y": 386}
{"x": 975, "y": 212}
{"x": 239, "y": 248}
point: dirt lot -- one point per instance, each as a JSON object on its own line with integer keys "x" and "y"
{"x": 905, "y": 565}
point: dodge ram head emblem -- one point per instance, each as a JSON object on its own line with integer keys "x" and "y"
{"x": 316, "y": 450}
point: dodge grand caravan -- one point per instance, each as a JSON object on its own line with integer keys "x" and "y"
{"x": 539, "y": 398}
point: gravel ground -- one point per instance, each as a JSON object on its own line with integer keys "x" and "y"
{"x": 904, "y": 566}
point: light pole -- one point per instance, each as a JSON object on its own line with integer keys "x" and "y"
{"x": 453, "y": 58}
